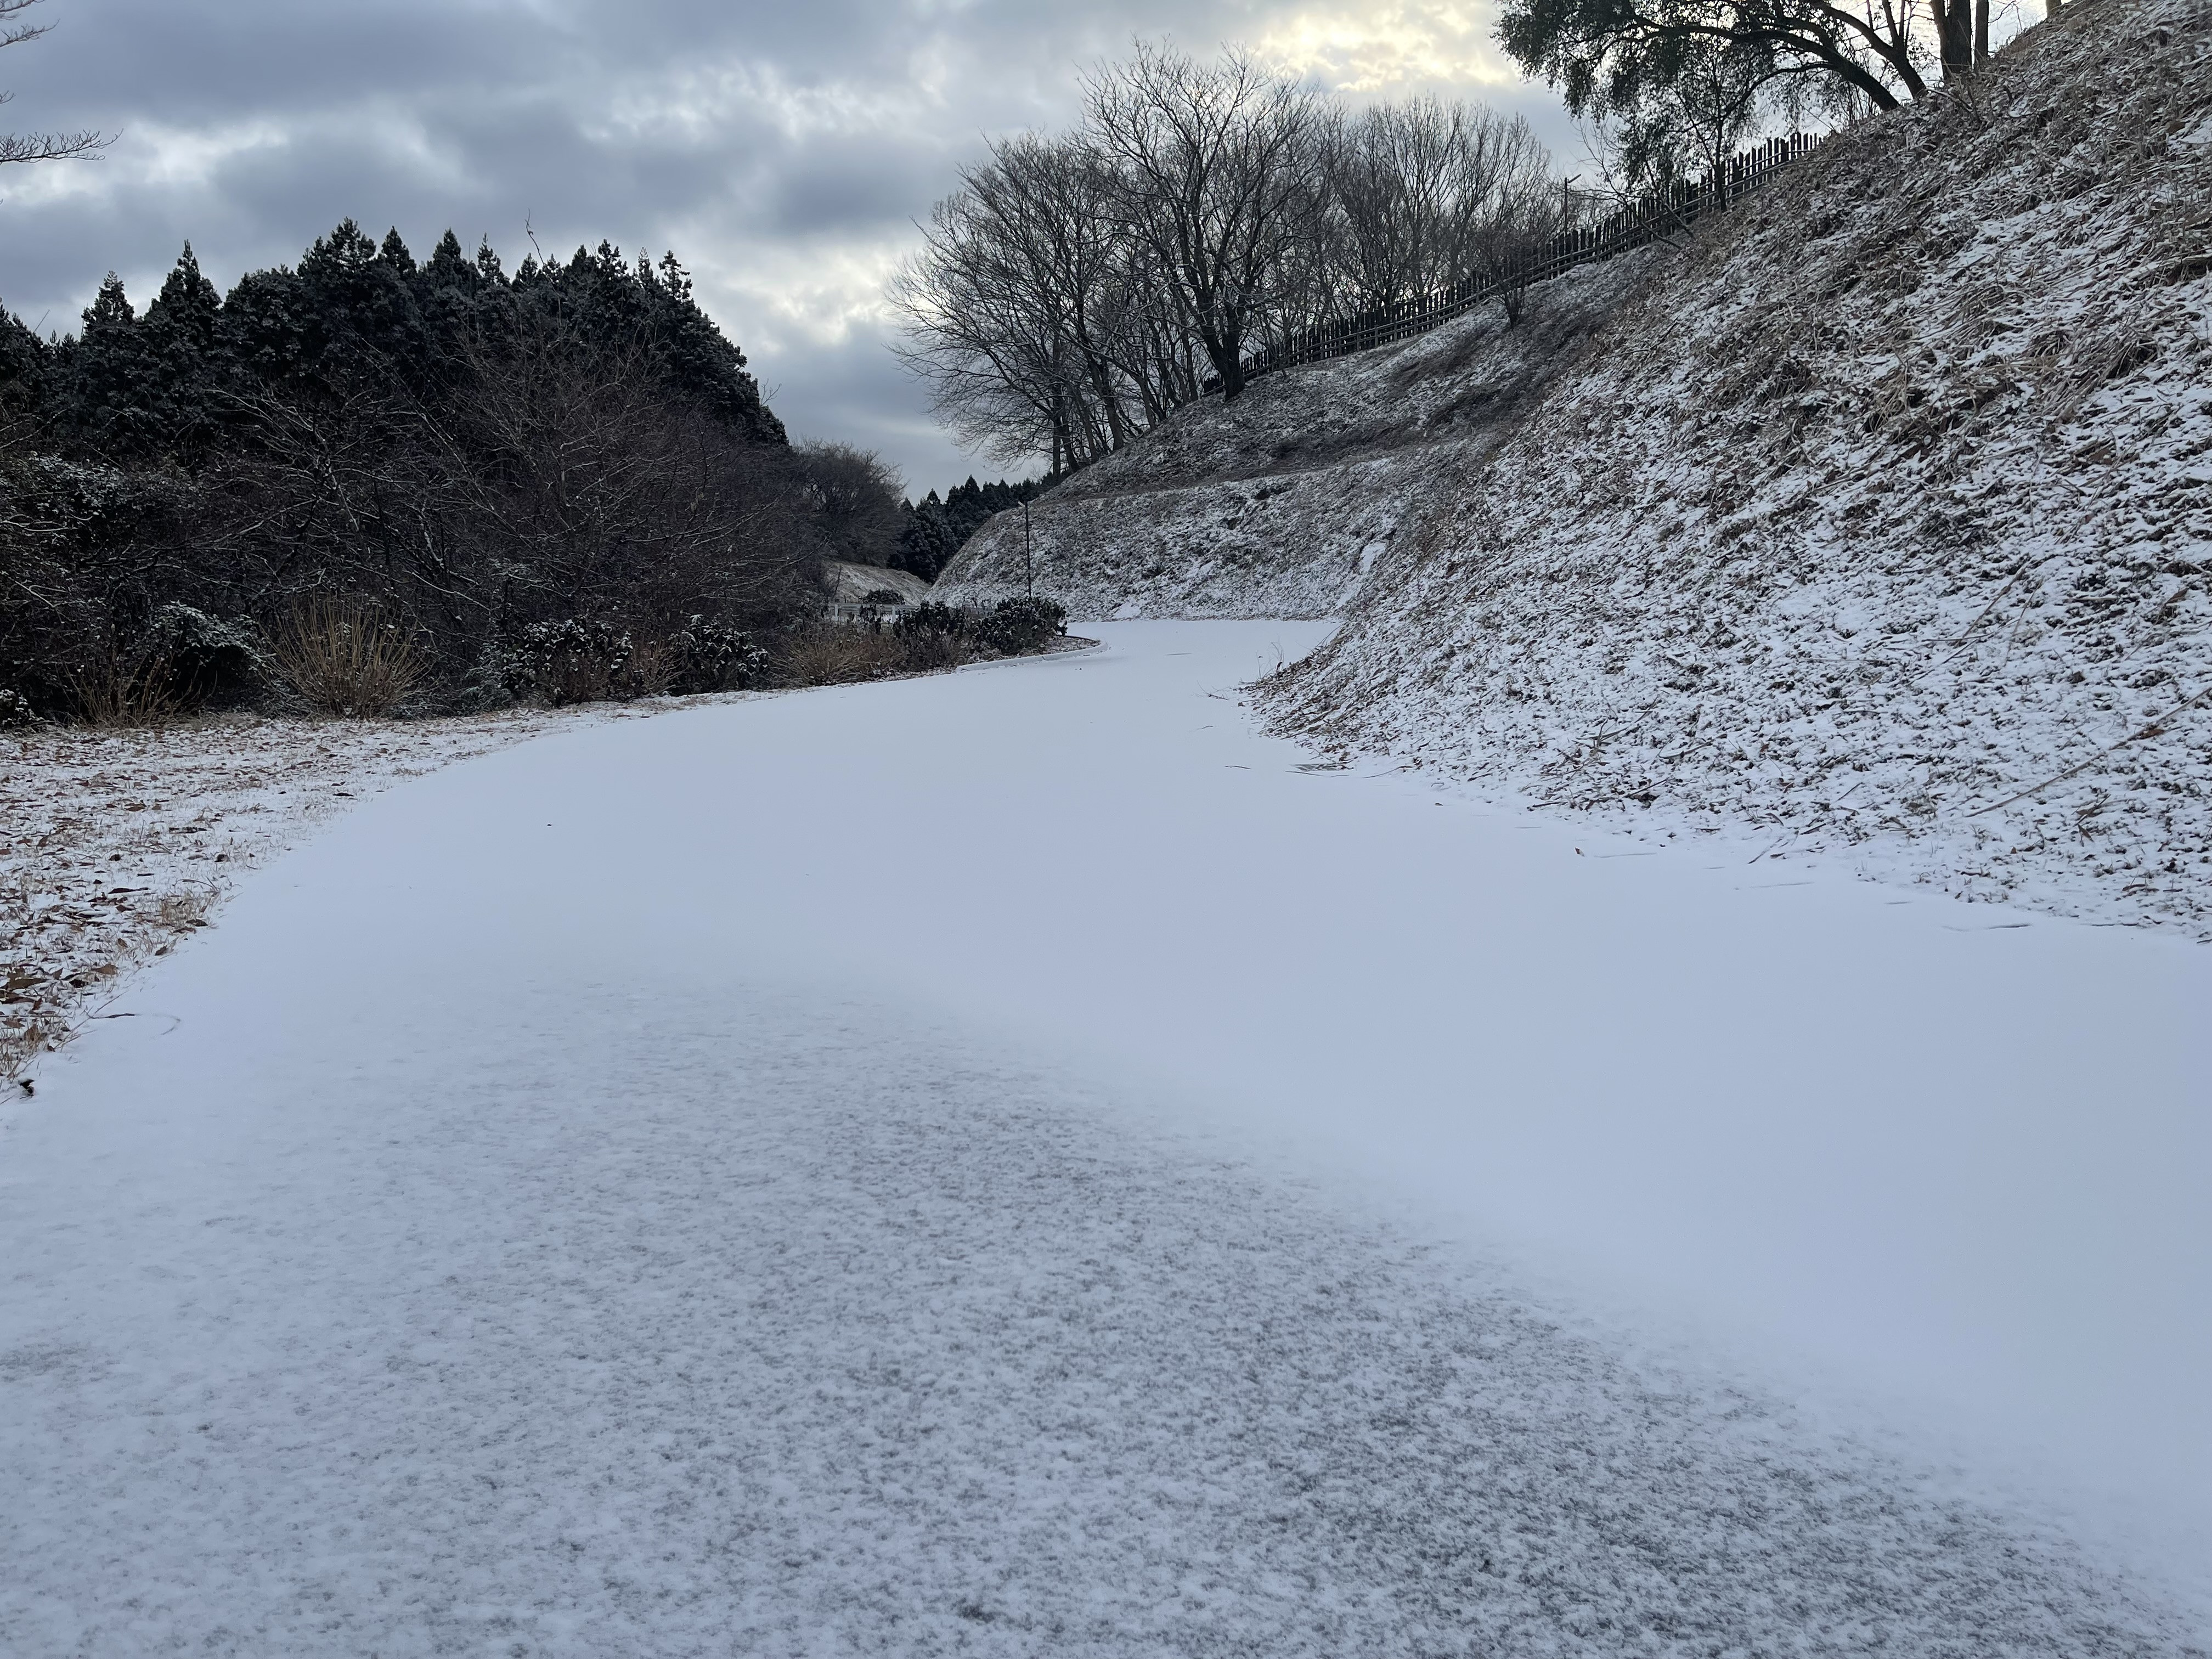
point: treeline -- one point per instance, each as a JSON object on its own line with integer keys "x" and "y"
{"x": 508, "y": 479}
{"x": 934, "y": 529}
{"x": 1077, "y": 288}
{"x": 865, "y": 520}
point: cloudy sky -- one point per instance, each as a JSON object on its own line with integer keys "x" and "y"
{"x": 784, "y": 151}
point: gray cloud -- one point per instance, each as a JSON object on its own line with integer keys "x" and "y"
{"x": 782, "y": 150}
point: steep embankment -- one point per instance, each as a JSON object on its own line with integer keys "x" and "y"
{"x": 1880, "y": 513}
{"x": 1279, "y": 504}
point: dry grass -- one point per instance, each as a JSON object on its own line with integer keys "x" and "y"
{"x": 346, "y": 657}
{"x": 177, "y": 913}
{"x": 931, "y": 652}
{"x": 120, "y": 694}
{"x": 845, "y": 654}
{"x": 42, "y": 1005}
{"x": 840, "y": 654}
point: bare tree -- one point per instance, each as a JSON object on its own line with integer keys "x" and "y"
{"x": 1524, "y": 207}
{"x": 1219, "y": 172}
{"x": 1039, "y": 325}
{"x": 1076, "y": 290}
{"x": 38, "y": 146}
{"x": 1425, "y": 194}
{"x": 1383, "y": 171}
{"x": 857, "y": 497}
{"x": 979, "y": 333}
{"x": 1049, "y": 203}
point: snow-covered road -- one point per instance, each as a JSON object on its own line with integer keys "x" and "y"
{"x": 1007, "y": 1163}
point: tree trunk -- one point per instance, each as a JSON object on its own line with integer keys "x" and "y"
{"x": 1228, "y": 364}
{"x": 1956, "y": 31}
{"x": 1102, "y": 385}
{"x": 1981, "y": 31}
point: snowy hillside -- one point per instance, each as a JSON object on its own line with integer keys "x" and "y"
{"x": 1879, "y": 504}
{"x": 1277, "y": 506}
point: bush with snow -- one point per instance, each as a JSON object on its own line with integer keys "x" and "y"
{"x": 713, "y": 656}
{"x": 561, "y": 662}
{"x": 1014, "y": 626}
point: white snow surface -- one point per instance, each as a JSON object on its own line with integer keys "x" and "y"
{"x": 1225, "y": 1207}
{"x": 114, "y": 842}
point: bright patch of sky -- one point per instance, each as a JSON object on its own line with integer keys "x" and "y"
{"x": 1381, "y": 49}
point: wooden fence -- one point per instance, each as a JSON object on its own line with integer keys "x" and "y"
{"x": 1657, "y": 216}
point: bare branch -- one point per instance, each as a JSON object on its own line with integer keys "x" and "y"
{"x": 26, "y": 147}
{"x": 51, "y": 146}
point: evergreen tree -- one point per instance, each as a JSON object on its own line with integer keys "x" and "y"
{"x": 110, "y": 373}
{"x": 362, "y": 315}
{"x": 360, "y": 319}
{"x": 27, "y": 370}
{"x": 180, "y": 356}
{"x": 936, "y": 530}
{"x": 450, "y": 268}
{"x": 395, "y": 255}
{"x": 265, "y": 326}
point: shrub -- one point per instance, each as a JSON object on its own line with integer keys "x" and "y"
{"x": 558, "y": 663}
{"x": 345, "y": 657}
{"x": 1014, "y": 626}
{"x": 933, "y": 651}
{"x": 1008, "y": 629}
{"x": 178, "y": 659}
{"x": 712, "y": 656}
{"x": 578, "y": 661}
{"x": 931, "y": 616}
{"x": 16, "y": 711}
{"x": 841, "y": 653}
{"x": 206, "y": 660}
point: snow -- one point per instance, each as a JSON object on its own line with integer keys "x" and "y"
{"x": 851, "y": 584}
{"x": 114, "y": 843}
{"x": 1281, "y": 504}
{"x": 1879, "y": 513}
{"x": 1219, "y": 1206}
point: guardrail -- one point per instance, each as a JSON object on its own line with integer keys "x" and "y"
{"x": 1635, "y": 226}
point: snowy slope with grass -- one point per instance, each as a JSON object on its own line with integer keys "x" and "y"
{"x": 1878, "y": 514}
{"x": 1227, "y": 1207}
{"x": 1280, "y": 504}
{"x": 115, "y": 843}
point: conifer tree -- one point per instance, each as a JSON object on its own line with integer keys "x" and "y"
{"x": 110, "y": 372}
